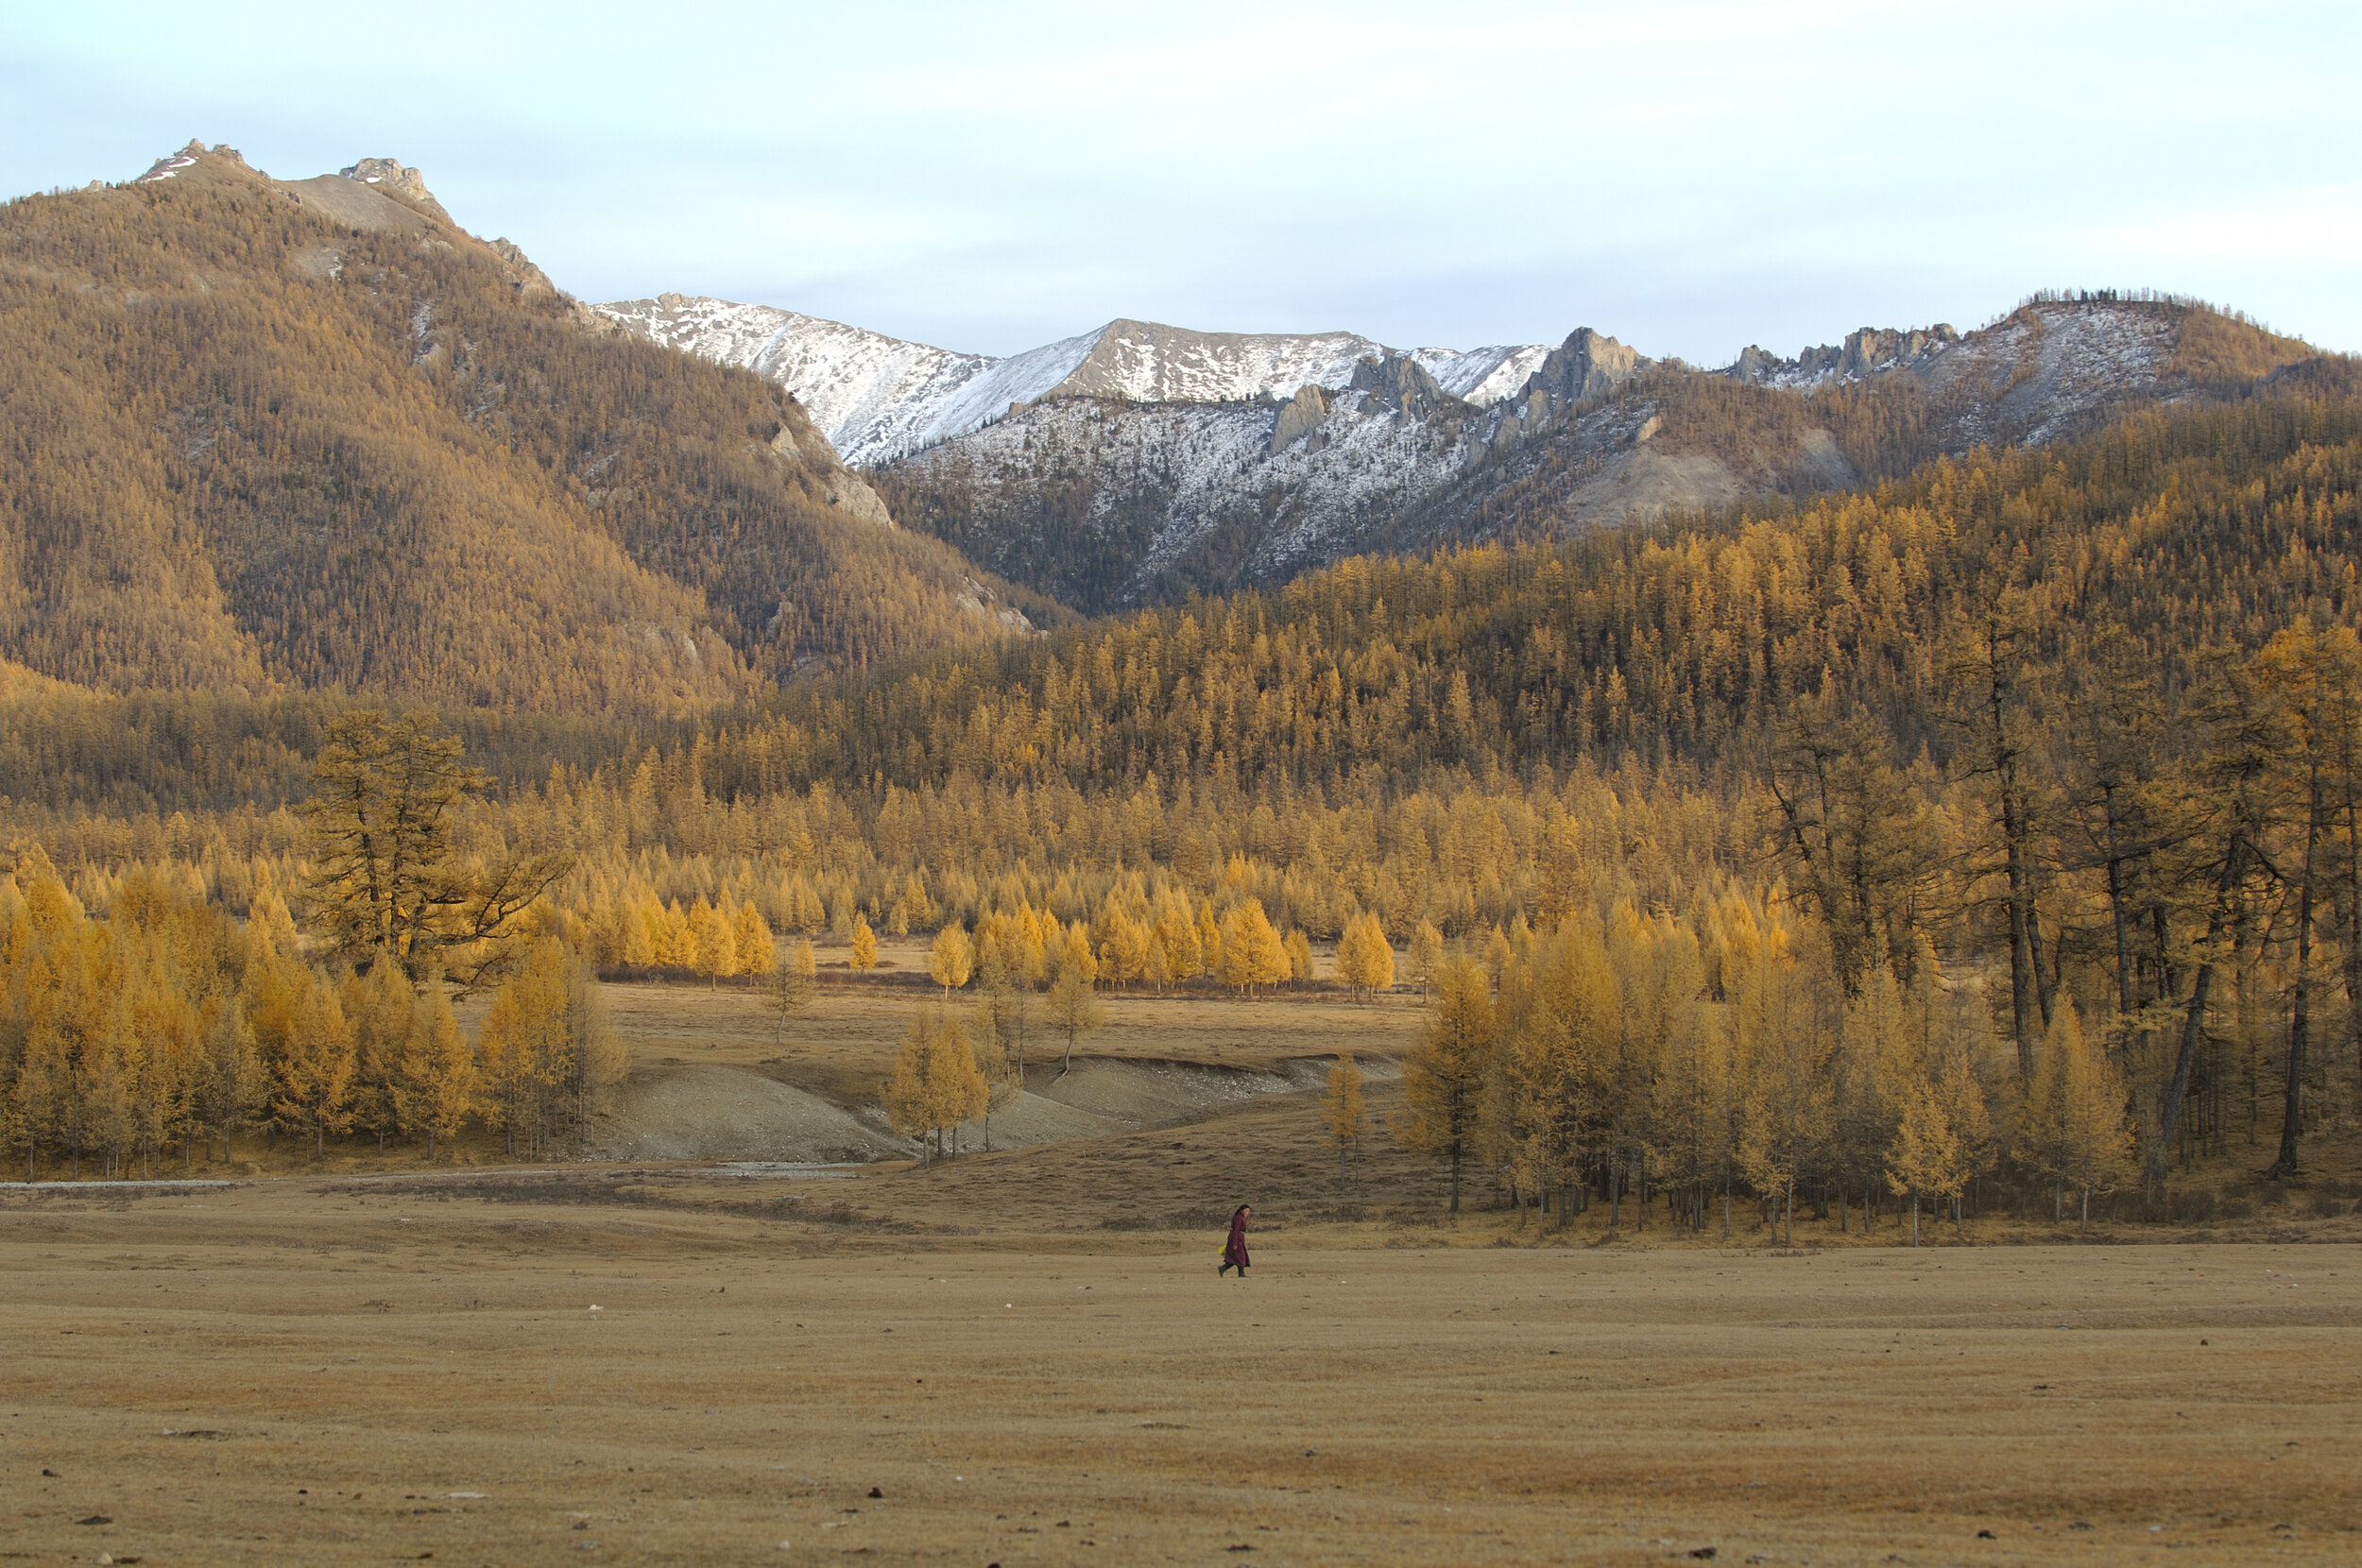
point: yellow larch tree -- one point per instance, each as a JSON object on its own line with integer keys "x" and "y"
{"x": 435, "y": 1090}
{"x": 1443, "y": 1074}
{"x": 713, "y": 942}
{"x": 2074, "y": 1129}
{"x": 949, "y": 960}
{"x": 1344, "y": 1111}
{"x": 936, "y": 1084}
{"x": 307, "y": 1047}
{"x": 1298, "y": 949}
{"x": 756, "y": 949}
{"x": 1783, "y": 1040}
{"x": 1365, "y": 960}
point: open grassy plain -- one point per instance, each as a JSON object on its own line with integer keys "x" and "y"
{"x": 1027, "y": 1355}
{"x": 307, "y": 1372}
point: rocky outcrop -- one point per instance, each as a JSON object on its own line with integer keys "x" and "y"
{"x": 397, "y": 181}
{"x": 530, "y": 277}
{"x": 1398, "y": 384}
{"x": 1871, "y": 352}
{"x": 1587, "y": 365}
{"x": 846, "y": 491}
{"x": 172, "y": 166}
{"x": 1300, "y": 417}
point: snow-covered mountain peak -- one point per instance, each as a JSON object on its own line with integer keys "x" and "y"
{"x": 879, "y": 398}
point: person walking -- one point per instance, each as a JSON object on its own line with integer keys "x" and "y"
{"x": 1234, "y": 1249}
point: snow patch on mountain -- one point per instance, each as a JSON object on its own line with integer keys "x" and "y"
{"x": 875, "y": 397}
{"x": 1483, "y": 376}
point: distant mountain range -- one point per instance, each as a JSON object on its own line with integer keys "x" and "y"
{"x": 1141, "y": 461}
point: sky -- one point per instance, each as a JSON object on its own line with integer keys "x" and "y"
{"x": 1689, "y": 177}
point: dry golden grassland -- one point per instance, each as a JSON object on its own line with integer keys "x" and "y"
{"x": 1028, "y": 1355}
{"x": 325, "y": 1371}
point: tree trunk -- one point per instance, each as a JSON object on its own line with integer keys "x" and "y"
{"x": 2046, "y": 982}
{"x": 2118, "y": 915}
{"x": 2022, "y": 972}
{"x": 2299, "y": 1013}
{"x": 2353, "y": 918}
{"x": 1914, "y": 1219}
{"x": 2194, "y": 1022}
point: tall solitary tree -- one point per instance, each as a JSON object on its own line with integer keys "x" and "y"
{"x": 1342, "y": 1109}
{"x": 1074, "y": 1009}
{"x": 387, "y": 882}
{"x": 789, "y": 988}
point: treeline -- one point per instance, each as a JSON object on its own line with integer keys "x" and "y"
{"x": 138, "y": 1040}
{"x": 1642, "y": 1058}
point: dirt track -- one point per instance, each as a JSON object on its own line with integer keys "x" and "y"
{"x": 287, "y": 1372}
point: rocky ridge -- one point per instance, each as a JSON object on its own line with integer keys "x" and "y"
{"x": 1106, "y": 502}
{"x": 880, "y": 399}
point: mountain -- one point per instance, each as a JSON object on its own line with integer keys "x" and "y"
{"x": 1138, "y": 463}
{"x": 260, "y": 435}
{"x": 878, "y": 397}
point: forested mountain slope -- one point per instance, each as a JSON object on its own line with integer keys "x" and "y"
{"x": 2189, "y": 530}
{"x": 259, "y": 437}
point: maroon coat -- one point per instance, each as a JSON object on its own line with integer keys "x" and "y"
{"x": 1234, "y": 1250}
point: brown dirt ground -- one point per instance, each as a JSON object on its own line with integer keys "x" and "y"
{"x": 314, "y": 1371}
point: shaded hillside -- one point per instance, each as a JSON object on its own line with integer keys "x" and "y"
{"x": 257, "y": 436}
{"x": 1108, "y": 504}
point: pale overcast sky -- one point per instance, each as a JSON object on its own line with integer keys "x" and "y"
{"x": 1689, "y": 177}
